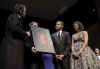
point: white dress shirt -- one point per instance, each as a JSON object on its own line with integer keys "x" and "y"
{"x": 60, "y": 32}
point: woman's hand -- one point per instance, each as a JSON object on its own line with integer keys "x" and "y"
{"x": 77, "y": 54}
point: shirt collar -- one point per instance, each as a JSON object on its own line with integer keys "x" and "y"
{"x": 60, "y": 32}
{"x": 18, "y": 16}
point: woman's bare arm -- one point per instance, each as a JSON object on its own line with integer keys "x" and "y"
{"x": 85, "y": 41}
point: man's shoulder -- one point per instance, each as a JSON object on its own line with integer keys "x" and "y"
{"x": 66, "y": 32}
{"x": 53, "y": 34}
{"x": 12, "y": 16}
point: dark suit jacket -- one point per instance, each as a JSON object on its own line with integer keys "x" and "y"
{"x": 63, "y": 46}
{"x": 12, "y": 48}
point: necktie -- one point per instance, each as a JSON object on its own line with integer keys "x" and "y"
{"x": 59, "y": 35}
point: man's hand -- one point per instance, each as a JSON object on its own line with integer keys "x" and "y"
{"x": 28, "y": 33}
{"x": 33, "y": 49}
{"x": 60, "y": 57}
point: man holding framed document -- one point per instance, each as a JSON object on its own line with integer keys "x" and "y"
{"x": 42, "y": 40}
{"x": 43, "y": 44}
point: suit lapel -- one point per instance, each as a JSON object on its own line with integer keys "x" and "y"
{"x": 57, "y": 38}
{"x": 62, "y": 35}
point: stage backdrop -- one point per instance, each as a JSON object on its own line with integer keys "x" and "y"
{"x": 42, "y": 8}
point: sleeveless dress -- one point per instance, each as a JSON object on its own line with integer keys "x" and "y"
{"x": 87, "y": 59}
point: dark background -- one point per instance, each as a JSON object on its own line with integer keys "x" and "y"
{"x": 47, "y": 12}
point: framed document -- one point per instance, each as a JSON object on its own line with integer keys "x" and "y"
{"x": 42, "y": 40}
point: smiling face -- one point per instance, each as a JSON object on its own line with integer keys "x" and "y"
{"x": 59, "y": 25}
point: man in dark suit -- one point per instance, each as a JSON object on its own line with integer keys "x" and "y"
{"x": 36, "y": 61}
{"x": 41, "y": 60}
{"x": 62, "y": 44}
{"x": 12, "y": 48}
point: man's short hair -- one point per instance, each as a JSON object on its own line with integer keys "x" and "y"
{"x": 62, "y": 23}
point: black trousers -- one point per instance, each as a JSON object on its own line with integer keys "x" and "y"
{"x": 62, "y": 64}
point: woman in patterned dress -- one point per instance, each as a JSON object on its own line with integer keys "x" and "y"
{"x": 82, "y": 55}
